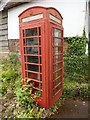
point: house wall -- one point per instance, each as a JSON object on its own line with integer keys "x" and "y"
{"x": 4, "y": 32}
{"x": 87, "y": 18}
{"x": 73, "y": 12}
{"x": 87, "y": 23}
{"x": 14, "y": 45}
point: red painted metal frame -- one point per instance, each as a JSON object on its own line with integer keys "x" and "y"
{"x": 47, "y": 98}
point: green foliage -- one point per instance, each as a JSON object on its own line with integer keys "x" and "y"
{"x": 68, "y": 87}
{"x": 76, "y": 45}
{"x": 76, "y": 68}
{"x": 10, "y": 72}
{"x": 24, "y": 96}
{"x": 11, "y": 81}
{"x": 28, "y": 103}
{"x": 35, "y": 112}
{"x": 55, "y": 107}
{"x": 9, "y": 75}
{"x": 75, "y": 89}
{"x": 75, "y": 60}
{"x": 3, "y": 87}
{"x": 10, "y": 62}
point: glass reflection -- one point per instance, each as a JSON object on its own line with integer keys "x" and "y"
{"x": 31, "y": 32}
{"x": 31, "y": 41}
{"x": 31, "y": 50}
{"x": 33, "y": 67}
{"x": 32, "y": 59}
{"x": 57, "y": 33}
{"x": 57, "y": 41}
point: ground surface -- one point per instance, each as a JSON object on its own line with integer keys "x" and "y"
{"x": 73, "y": 108}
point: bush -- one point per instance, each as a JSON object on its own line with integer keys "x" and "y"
{"x": 76, "y": 45}
{"x": 75, "y": 89}
{"x": 11, "y": 62}
{"x": 10, "y": 72}
{"x": 76, "y": 68}
{"x": 75, "y": 60}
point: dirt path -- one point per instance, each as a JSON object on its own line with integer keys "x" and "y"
{"x": 73, "y": 109}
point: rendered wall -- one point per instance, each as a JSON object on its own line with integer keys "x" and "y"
{"x": 73, "y": 12}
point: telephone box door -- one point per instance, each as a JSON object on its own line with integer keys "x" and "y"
{"x": 31, "y": 53}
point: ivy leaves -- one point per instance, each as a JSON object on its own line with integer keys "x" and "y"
{"x": 76, "y": 46}
{"x": 76, "y": 62}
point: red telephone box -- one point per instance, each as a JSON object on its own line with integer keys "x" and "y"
{"x": 41, "y": 46}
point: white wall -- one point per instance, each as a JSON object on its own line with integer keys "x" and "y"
{"x": 87, "y": 19}
{"x": 73, "y": 12}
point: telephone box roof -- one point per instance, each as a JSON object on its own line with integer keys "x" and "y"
{"x": 44, "y": 8}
